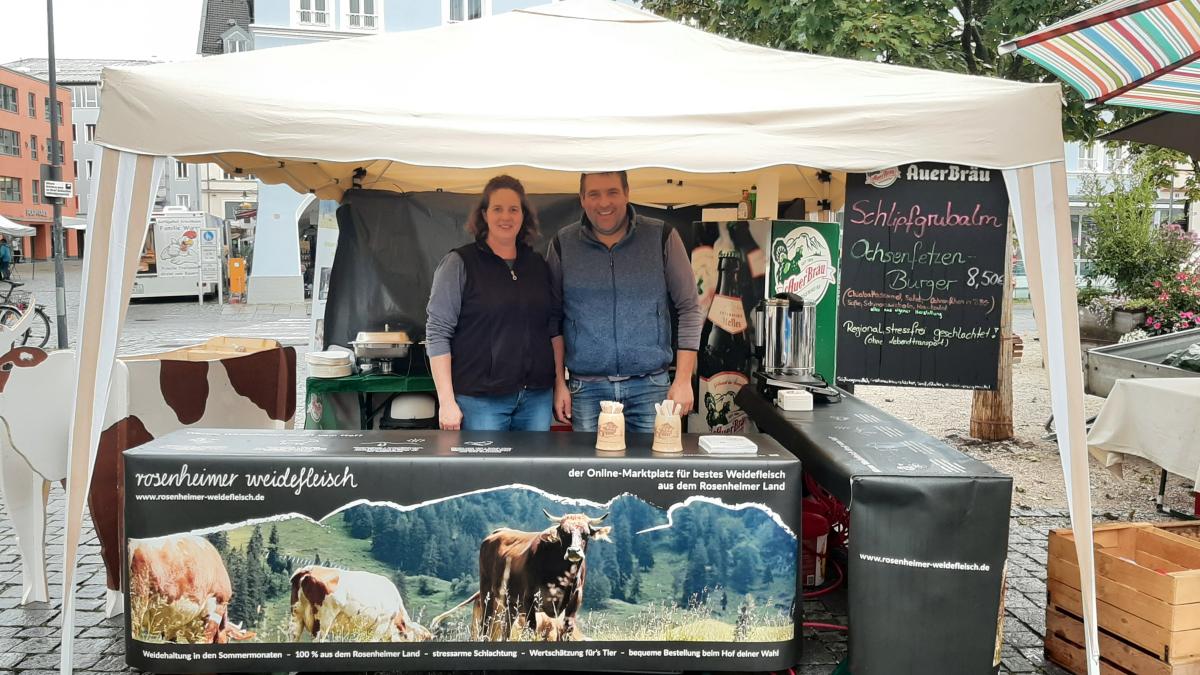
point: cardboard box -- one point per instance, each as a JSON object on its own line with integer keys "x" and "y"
{"x": 312, "y": 550}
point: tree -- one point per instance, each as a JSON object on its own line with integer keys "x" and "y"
{"x": 635, "y": 588}
{"x": 274, "y": 560}
{"x": 958, "y": 36}
{"x": 746, "y": 561}
{"x": 695, "y": 581}
{"x": 598, "y": 590}
{"x": 220, "y": 541}
{"x": 401, "y": 581}
{"x": 1122, "y": 241}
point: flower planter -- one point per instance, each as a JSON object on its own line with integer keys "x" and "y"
{"x": 1125, "y": 320}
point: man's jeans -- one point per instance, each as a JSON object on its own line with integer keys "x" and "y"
{"x": 526, "y": 410}
{"x": 639, "y": 394}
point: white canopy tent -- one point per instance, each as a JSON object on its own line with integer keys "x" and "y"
{"x": 545, "y": 93}
{"x": 8, "y": 227}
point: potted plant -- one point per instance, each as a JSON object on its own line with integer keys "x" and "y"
{"x": 1177, "y": 305}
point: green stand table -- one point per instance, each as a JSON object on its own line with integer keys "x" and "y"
{"x": 320, "y": 414}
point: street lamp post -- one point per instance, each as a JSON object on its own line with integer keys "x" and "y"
{"x": 60, "y": 286}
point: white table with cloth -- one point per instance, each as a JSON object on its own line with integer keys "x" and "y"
{"x": 1157, "y": 419}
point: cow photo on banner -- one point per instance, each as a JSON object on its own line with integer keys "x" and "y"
{"x": 922, "y": 277}
{"x": 280, "y": 548}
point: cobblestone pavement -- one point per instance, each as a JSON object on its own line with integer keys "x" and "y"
{"x": 29, "y": 636}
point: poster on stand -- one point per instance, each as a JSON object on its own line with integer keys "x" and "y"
{"x": 177, "y": 244}
{"x": 923, "y": 274}
{"x": 441, "y": 550}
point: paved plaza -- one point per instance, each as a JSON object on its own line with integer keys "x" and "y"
{"x": 29, "y": 635}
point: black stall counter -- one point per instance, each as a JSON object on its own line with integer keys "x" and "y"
{"x": 928, "y": 535}
{"x": 439, "y": 550}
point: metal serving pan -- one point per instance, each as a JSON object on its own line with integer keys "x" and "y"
{"x": 1103, "y": 366}
{"x": 381, "y": 345}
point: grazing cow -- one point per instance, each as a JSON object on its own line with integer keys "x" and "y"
{"x": 188, "y": 573}
{"x": 147, "y": 398}
{"x": 324, "y": 598}
{"x": 533, "y": 579}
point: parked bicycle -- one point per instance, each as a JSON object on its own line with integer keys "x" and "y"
{"x": 11, "y": 309}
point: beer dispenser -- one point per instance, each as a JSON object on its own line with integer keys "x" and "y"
{"x": 785, "y": 342}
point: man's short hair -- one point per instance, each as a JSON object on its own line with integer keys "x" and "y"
{"x": 624, "y": 176}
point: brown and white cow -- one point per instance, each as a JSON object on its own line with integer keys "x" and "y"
{"x": 148, "y": 397}
{"x": 325, "y": 599}
{"x": 533, "y": 579}
{"x": 187, "y": 573}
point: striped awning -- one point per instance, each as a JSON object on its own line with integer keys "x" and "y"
{"x": 1139, "y": 53}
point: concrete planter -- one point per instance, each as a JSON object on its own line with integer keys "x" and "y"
{"x": 1125, "y": 320}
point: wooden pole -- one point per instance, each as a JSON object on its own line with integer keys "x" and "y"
{"x": 991, "y": 411}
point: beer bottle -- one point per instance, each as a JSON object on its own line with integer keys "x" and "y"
{"x": 704, "y": 262}
{"x": 724, "y": 361}
{"x": 754, "y": 275}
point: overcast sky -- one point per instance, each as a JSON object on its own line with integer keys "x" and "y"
{"x": 101, "y": 29}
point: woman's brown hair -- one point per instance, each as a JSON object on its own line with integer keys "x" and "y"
{"x": 477, "y": 224}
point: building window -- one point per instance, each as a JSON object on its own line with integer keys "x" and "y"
{"x": 1087, "y": 157}
{"x": 87, "y": 166}
{"x": 465, "y": 10}
{"x": 183, "y": 200}
{"x": 181, "y": 170}
{"x": 33, "y": 147}
{"x": 32, "y": 105}
{"x": 1115, "y": 156}
{"x": 362, "y": 15}
{"x": 90, "y": 133}
{"x": 85, "y": 96}
{"x": 8, "y": 98}
{"x": 10, "y": 189}
{"x": 314, "y": 13}
{"x": 10, "y": 143}
{"x": 57, "y": 107}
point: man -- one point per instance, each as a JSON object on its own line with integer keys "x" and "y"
{"x": 618, "y": 275}
{"x": 6, "y": 258}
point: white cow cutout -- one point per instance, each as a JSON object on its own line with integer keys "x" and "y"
{"x": 34, "y": 442}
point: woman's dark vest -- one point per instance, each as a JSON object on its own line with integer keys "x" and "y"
{"x": 502, "y": 342}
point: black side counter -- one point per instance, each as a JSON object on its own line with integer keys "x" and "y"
{"x": 928, "y": 535}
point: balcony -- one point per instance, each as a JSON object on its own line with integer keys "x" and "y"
{"x": 362, "y": 21}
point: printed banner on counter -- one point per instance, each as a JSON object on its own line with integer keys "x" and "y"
{"x": 922, "y": 277}
{"x": 434, "y": 550}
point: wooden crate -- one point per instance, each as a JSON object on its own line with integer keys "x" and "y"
{"x": 1064, "y": 646}
{"x": 1148, "y": 600}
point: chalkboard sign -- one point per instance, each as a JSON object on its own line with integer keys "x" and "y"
{"x": 922, "y": 277}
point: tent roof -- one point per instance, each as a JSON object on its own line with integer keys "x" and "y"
{"x": 12, "y": 229}
{"x": 571, "y": 86}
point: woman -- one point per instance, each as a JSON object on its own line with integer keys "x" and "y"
{"x": 491, "y": 321}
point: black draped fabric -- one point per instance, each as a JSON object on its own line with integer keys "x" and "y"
{"x": 389, "y": 244}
